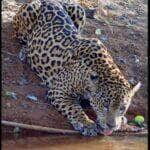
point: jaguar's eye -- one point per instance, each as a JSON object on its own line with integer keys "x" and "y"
{"x": 122, "y": 108}
{"x": 94, "y": 77}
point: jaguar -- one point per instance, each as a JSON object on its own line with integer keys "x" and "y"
{"x": 72, "y": 66}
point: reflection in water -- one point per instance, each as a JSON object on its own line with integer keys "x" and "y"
{"x": 76, "y": 143}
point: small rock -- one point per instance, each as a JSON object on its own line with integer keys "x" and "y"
{"x": 112, "y": 6}
{"x": 98, "y": 32}
{"x": 122, "y": 3}
{"x": 8, "y": 105}
{"x": 42, "y": 84}
{"x": 131, "y": 13}
{"x": 13, "y": 82}
{"x": 8, "y": 60}
{"x": 144, "y": 125}
{"x": 22, "y": 55}
{"x": 133, "y": 21}
{"x": 132, "y": 81}
{"x": 90, "y": 13}
{"x": 11, "y": 95}
{"x": 32, "y": 97}
{"x": 103, "y": 38}
{"x": 23, "y": 80}
{"x": 25, "y": 106}
{"x": 121, "y": 60}
{"x": 16, "y": 130}
{"x": 123, "y": 17}
{"x": 137, "y": 60}
{"x": 134, "y": 58}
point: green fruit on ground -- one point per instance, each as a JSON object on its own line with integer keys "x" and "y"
{"x": 139, "y": 119}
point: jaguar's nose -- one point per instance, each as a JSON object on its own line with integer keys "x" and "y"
{"x": 105, "y": 130}
{"x": 111, "y": 126}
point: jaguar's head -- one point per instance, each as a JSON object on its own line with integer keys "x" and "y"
{"x": 108, "y": 91}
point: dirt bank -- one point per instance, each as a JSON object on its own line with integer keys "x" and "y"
{"x": 127, "y": 44}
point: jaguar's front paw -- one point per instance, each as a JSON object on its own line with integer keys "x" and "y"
{"x": 90, "y": 130}
{"x": 87, "y": 129}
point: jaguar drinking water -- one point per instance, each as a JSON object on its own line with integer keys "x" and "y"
{"x": 72, "y": 66}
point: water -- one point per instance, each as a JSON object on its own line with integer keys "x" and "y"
{"x": 57, "y": 142}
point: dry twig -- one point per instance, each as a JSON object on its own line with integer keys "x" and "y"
{"x": 38, "y": 128}
{"x": 62, "y": 131}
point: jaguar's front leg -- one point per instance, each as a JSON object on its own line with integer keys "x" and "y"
{"x": 74, "y": 112}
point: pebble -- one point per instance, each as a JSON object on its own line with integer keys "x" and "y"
{"x": 32, "y": 97}
{"x": 123, "y": 17}
{"x": 23, "y": 80}
{"x": 16, "y": 130}
{"x": 133, "y": 21}
{"x": 42, "y": 84}
{"x": 131, "y": 13}
{"x": 11, "y": 95}
{"x": 134, "y": 58}
{"x": 22, "y": 55}
{"x": 24, "y": 105}
{"x": 112, "y": 6}
{"x": 13, "y": 82}
{"x": 137, "y": 60}
{"x": 98, "y": 32}
{"x": 8, "y": 105}
{"x": 7, "y": 59}
{"x": 121, "y": 60}
{"x": 90, "y": 13}
{"x": 103, "y": 38}
{"x": 132, "y": 81}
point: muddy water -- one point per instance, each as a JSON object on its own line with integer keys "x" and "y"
{"x": 75, "y": 143}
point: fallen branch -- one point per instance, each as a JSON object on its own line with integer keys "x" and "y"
{"x": 38, "y": 128}
{"x": 63, "y": 131}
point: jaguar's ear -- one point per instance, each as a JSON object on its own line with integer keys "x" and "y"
{"x": 135, "y": 88}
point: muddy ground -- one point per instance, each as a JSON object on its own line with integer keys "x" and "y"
{"x": 127, "y": 44}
